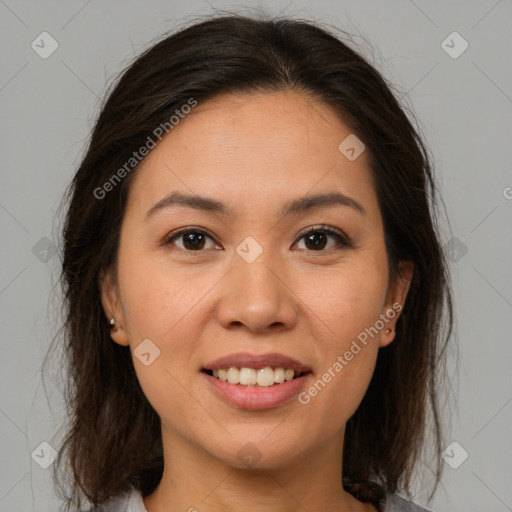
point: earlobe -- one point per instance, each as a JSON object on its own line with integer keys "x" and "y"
{"x": 395, "y": 301}
{"x": 387, "y": 336}
{"x": 118, "y": 333}
{"x": 112, "y": 308}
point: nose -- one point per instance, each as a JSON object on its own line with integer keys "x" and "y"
{"x": 257, "y": 298}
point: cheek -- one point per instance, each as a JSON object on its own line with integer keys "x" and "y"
{"x": 348, "y": 301}
{"x": 164, "y": 307}
{"x": 348, "y": 387}
{"x": 339, "y": 386}
{"x": 167, "y": 307}
{"x": 347, "y": 307}
{"x": 156, "y": 298}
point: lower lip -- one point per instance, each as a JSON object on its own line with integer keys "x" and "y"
{"x": 256, "y": 397}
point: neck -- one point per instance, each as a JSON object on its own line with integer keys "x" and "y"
{"x": 198, "y": 481}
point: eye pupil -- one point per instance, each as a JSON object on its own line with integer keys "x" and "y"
{"x": 316, "y": 240}
{"x": 193, "y": 240}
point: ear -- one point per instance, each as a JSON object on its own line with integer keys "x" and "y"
{"x": 112, "y": 307}
{"x": 395, "y": 300}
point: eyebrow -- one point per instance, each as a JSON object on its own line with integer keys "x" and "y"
{"x": 306, "y": 203}
{"x": 192, "y": 201}
{"x": 293, "y": 207}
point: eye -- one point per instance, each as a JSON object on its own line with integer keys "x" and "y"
{"x": 192, "y": 239}
{"x": 317, "y": 239}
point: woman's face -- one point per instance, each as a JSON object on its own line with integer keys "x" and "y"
{"x": 226, "y": 261}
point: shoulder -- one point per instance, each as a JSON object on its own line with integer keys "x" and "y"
{"x": 130, "y": 501}
{"x": 394, "y": 503}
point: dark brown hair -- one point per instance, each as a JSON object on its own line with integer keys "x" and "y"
{"x": 113, "y": 439}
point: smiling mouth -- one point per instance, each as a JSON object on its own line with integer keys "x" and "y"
{"x": 261, "y": 377}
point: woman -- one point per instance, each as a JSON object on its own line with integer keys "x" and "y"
{"x": 257, "y": 301}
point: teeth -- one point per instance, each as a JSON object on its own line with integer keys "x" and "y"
{"x": 247, "y": 377}
{"x": 263, "y": 377}
{"x": 233, "y": 375}
{"x": 279, "y": 375}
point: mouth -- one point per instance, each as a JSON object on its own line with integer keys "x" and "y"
{"x": 254, "y": 382}
{"x": 259, "y": 377}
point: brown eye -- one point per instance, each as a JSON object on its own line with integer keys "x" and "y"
{"x": 192, "y": 240}
{"x": 316, "y": 240}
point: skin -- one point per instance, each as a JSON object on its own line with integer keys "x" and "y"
{"x": 253, "y": 153}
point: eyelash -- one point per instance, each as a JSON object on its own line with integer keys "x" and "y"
{"x": 343, "y": 240}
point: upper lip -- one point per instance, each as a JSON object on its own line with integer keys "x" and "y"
{"x": 246, "y": 360}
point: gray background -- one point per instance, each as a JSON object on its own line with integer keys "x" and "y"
{"x": 465, "y": 110}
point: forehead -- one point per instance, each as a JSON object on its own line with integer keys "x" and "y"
{"x": 254, "y": 149}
